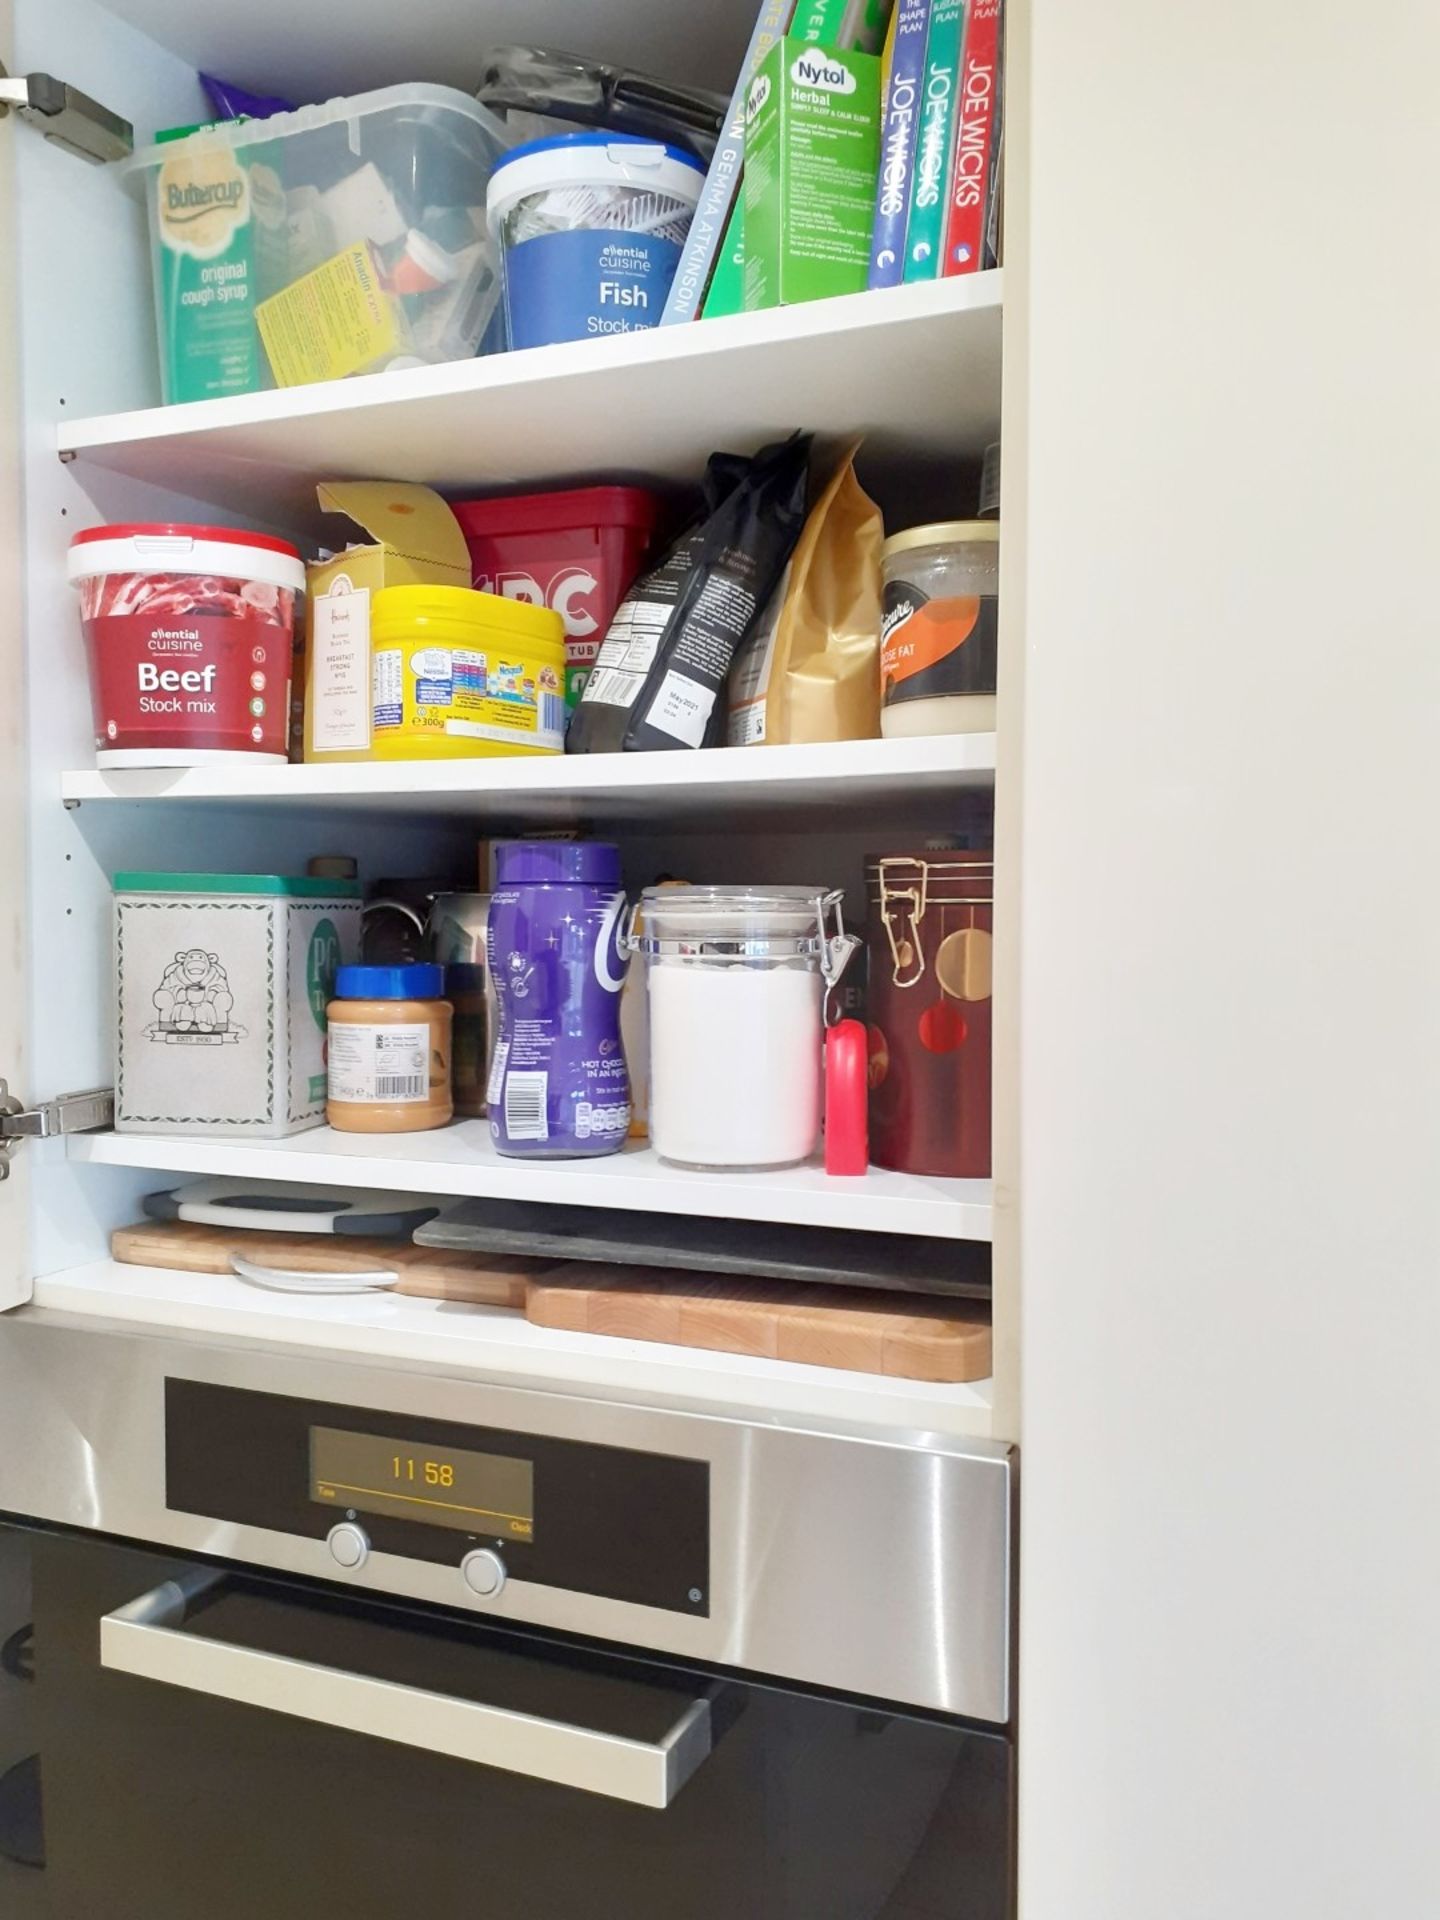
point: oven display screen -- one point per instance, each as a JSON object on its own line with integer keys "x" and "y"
{"x": 440, "y": 1486}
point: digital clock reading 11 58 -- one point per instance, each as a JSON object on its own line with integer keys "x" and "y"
{"x": 484, "y": 1493}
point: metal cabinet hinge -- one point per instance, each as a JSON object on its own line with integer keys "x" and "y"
{"x": 68, "y": 117}
{"x": 69, "y": 1113}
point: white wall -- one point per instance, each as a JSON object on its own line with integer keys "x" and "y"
{"x": 1230, "y": 1210}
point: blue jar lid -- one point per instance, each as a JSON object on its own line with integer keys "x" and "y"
{"x": 422, "y": 982}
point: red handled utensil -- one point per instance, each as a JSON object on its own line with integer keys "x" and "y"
{"x": 847, "y": 1099}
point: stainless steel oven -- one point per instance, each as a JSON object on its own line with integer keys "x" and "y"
{"x": 316, "y": 1637}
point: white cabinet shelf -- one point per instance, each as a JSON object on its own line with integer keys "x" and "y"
{"x": 492, "y": 1343}
{"x": 460, "y": 1160}
{"x": 915, "y": 370}
{"x": 720, "y": 784}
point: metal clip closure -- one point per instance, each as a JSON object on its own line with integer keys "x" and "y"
{"x": 901, "y": 911}
{"x": 837, "y": 950}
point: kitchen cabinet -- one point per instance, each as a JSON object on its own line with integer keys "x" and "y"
{"x": 1215, "y": 787}
{"x": 917, "y": 370}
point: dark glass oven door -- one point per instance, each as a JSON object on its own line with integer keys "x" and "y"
{"x": 23, "y": 1880}
{"x": 254, "y": 1749}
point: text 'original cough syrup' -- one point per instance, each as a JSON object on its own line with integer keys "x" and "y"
{"x": 205, "y": 284}
{"x": 189, "y": 633}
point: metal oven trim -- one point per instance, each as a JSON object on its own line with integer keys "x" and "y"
{"x": 875, "y": 1564}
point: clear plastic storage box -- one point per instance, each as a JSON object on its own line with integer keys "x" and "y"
{"x": 338, "y": 239}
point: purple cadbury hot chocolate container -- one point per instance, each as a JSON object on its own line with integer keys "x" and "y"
{"x": 558, "y": 1084}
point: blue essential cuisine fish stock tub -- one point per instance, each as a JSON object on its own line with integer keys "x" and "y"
{"x": 590, "y": 226}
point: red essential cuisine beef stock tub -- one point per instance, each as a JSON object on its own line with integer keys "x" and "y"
{"x": 189, "y": 633}
{"x": 575, "y": 552}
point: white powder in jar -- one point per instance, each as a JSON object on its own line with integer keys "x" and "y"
{"x": 735, "y": 1055}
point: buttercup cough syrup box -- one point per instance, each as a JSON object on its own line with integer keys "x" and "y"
{"x": 205, "y": 290}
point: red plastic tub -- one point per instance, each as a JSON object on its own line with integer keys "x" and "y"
{"x": 189, "y": 633}
{"x": 575, "y": 552}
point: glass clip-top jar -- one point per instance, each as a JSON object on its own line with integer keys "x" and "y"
{"x": 738, "y": 978}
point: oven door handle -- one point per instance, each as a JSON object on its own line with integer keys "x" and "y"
{"x": 143, "y": 1639}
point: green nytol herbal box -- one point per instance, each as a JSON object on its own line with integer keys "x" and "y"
{"x": 812, "y": 149}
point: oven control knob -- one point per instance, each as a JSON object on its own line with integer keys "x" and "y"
{"x": 349, "y": 1545}
{"x": 483, "y": 1573}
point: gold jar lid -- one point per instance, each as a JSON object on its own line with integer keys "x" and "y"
{"x": 940, "y": 533}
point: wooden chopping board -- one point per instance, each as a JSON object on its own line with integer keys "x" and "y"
{"x": 430, "y": 1273}
{"x": 900, "y": 1335}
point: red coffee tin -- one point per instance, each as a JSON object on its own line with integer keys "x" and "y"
{"x": 928, "y": 938}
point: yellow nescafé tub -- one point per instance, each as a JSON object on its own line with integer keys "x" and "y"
{"x": 456, "y": 673}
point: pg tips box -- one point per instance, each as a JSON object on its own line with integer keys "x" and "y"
{"x": 812, "y": 150}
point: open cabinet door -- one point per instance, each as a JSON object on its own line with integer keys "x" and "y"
{"x": 14, "y": 794}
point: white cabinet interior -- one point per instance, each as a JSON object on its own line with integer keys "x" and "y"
{"x": 917, "y": 371}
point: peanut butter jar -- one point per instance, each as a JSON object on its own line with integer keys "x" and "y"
{"x": 388, "y": 1060}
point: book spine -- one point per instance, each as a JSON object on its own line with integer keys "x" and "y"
{"x": 899, "y": 130}
{"x": 930, "y": 184}
{"x": 717, "y": 197}
{"x": 864, "y": 26}
{"x": 970, "y": 168}
{"x": 820, "y": 23}
{"x": 849, "y": 26}
{"x": 994, "y": 216}
{"x": 726, "y": 292}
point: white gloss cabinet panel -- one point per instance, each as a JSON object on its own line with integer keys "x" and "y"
{"x": 460, "y": 1160}
{"x": 912, "y": 369}
{"x": 1230, "y": 1689}
{"x": 802, "y": 784}
{"x": 14, "y": 982}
